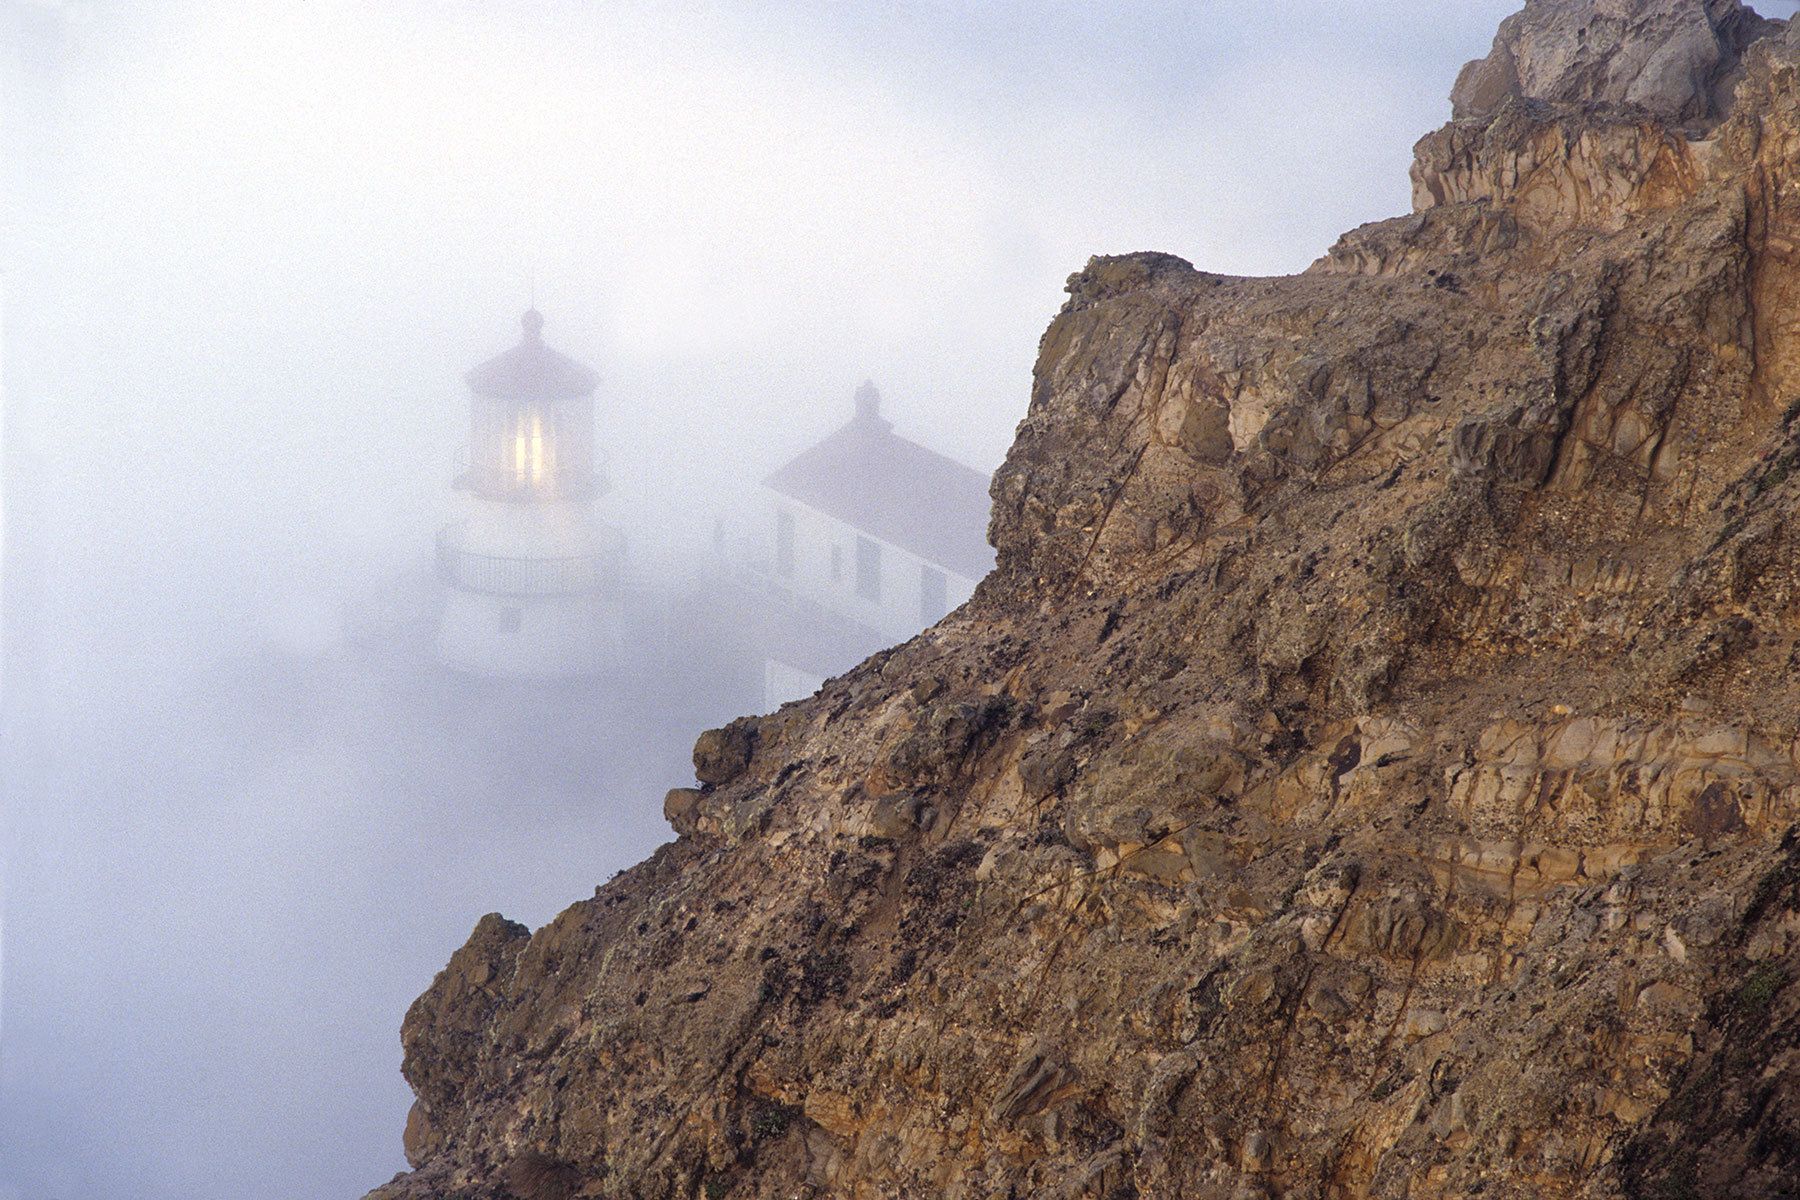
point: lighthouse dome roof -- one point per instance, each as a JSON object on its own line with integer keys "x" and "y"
{"x": 531, "y": 370}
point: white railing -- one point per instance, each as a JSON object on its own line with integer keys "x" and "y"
{"x": 500, "y": 575}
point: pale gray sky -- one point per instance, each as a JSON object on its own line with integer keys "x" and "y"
{"x": 286, "y": 229}
{"x": 736, "y": 211}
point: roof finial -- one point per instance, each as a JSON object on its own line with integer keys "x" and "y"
{"x": 533, "y": 323}
{"x": 868, "y": 401}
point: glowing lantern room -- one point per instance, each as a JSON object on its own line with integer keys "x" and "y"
{"x": 531, "y": 432}
{"x": 531, "y": 579}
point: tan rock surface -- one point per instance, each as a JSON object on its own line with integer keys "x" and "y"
{"x": 1372, "y": 769}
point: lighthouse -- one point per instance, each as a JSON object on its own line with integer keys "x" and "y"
{"x": 531, "y": 578}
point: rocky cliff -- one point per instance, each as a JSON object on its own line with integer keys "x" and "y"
{"x": 1372, "y": 769}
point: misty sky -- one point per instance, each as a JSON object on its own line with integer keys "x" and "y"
{"x": 282, "y": 231}
{"x": 735, "y": 211}
{"x": 251, "y": 247}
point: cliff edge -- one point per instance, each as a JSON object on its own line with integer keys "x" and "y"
{"x": 1371, "y": 771}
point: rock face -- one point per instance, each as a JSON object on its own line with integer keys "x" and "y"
{"x": 1371, "y": 771}
{"x": 1675, "y": 58}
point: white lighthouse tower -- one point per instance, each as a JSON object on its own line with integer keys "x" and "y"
{"x": 532, "y": 580}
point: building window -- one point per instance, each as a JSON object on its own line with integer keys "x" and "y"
{"x": 837, "y": 562}
{"x": 511, "y": 620}
{"x": 934, "y": 595}
{"x": 868, "y": 569}
{"x": 784, "y": 542}
{"x": 528, "y": 448}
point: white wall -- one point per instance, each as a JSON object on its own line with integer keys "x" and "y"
{"x": 527, "y": 637}
{"x": 547, "y": 636}
{"x": 896, "y": 615}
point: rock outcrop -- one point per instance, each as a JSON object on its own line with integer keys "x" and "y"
{"x": 1372, "y": 769}
{"x": 1674, "y": 58}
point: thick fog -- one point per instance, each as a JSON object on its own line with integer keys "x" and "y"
{"x": 248, "y": 251}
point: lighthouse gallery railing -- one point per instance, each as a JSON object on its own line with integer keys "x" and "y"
{"x": 503, "y": 576}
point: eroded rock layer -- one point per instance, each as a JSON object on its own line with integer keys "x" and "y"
{"x": 1372, "y": 769}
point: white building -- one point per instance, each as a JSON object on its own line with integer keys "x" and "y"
{"x": 532, "y": 581}
{"x": 868, "y": 538}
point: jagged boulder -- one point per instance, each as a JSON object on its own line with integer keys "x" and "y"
{"x": 1672, "y": 58}
{"x": 450, "y": 1024}
{"x": 721, "y": 755}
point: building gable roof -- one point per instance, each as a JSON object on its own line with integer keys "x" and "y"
{"x": 869, "y": 477}
{"x": 532, "y": 370}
